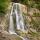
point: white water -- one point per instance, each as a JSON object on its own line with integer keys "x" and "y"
{"x": 19, "y": 21}
{"x": 19, "y": 18}
{"x": 11, "y": 24}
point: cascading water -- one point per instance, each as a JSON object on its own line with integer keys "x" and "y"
{"x": 11, "y": 24}
{"x": 19, "y": 20}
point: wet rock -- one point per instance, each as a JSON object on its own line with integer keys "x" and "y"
{"x": 6, "y": 36}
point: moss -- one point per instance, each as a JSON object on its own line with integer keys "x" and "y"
{"x": 36, "y": 14}
{"x": 21, "y": 33}
{"x": 33, "y": 35}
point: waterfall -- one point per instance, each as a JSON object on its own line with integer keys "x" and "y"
{"x": 19, "y": 17}
{"x": 19, "y": 20}
{"x": 11, "y": 24}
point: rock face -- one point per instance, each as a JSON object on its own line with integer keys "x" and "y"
{"x": 23, "y": 8}
{"x": 6, "y": 36}
{"x": 1, "y": 27}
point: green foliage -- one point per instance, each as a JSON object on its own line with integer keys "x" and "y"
{"x": 36, "y": 14}
{"x": 38, "y": 6}
{"x": 24, "y": 2}
{"x": 34, "y": 35}
{"x": 36, "y": 24}
{"x": 31, "y": 3}
{"x": 3, "y": 6}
